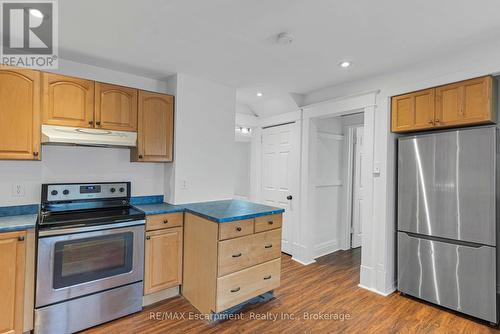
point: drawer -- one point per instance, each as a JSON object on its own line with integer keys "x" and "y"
{"x": 156, "y": 222}
{"x": 235, "y": 229}
{"x": 456, "y": 276}
{"x": 244, "y": 252}
{"x": 243, "y": 285}
{"x": 266, "y": 223}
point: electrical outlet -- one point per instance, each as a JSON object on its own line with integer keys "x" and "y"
{"x": 184, "y": 184}
{"x": 18, "y": 190}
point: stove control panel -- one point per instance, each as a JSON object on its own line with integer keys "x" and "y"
{"x": 71, "y": 192}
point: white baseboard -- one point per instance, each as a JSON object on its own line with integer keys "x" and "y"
{"x": 382, "y": 293}
{"x": 160, "y": 295}
{"x": 303, "y": 263}
{"x": 325, "y": 248}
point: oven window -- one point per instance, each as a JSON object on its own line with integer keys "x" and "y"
{"x": 88, "y": 259}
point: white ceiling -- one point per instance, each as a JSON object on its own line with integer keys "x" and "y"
{"x": 232, "y": 41}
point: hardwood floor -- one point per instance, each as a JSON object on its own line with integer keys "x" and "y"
{"x": 328, "y": 287}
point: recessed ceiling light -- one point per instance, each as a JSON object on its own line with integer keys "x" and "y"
{"x": 284, "y": 38}
{"x": 345, "y": 64}
{"x": 259, "y": 94}
{"x": 36, "y": 13}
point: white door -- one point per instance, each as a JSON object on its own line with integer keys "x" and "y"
{"x": 280, "y": 175}
{"x": 357, "y": 194}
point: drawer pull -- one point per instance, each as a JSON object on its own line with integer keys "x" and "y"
{"x": 148, "y": 237}
{"x": 20, "y": 238}
{"x": 237, "y": 255}
{"x": 267, "y": 277}
{"x": 270, "y": 222}
{"x": 235, "y": 290}
{"x": 268, "y": 246}
{"x": 165, "y": 221}
{"x": 238, "y": 229}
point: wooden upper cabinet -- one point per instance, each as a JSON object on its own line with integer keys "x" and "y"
{"x": 67, "y": 101}
{"x": 414, "y": 111}
{"x": 466, "y": 102}
{"x": 163, "y": 259}
{"x": 115, "y": 107}
{"x": 19, "y": 114}
{"x": 12, "y": 273}
{"x": 155, "y": 128}
{"x": 462, "y": 103}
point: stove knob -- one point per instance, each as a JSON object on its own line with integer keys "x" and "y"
{"x": 65, "y": 191}
{"x": 54, "y": 192}
{"x": 122, "y": 189}
{"x": 112, "y": 190}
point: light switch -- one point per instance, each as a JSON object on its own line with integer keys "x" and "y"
{"x": 376, "y": 169}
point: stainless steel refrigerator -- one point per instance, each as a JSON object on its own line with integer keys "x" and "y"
{"x": 447, "y": 219}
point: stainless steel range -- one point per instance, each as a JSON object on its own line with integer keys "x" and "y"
{"x": 90, "y": 260}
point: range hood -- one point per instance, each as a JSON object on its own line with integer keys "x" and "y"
{"x": 64, "y": 135}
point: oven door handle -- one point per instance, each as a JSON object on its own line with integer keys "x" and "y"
{"x": 71, "y": 230}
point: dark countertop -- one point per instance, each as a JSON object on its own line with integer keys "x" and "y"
{"x": 217, "y": 211}
{"x": 159, "y": 208}
{"x": 18, "y": 218}
{"x": 18, "y": 223}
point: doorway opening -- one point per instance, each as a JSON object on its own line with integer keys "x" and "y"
{"x": 338, "y": 185}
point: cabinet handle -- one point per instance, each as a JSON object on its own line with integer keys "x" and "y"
{"x": 165, "y": 221}
{"x": 267, "y": 277}
{"x": 98, "y": 123}
{"x": 235, "y": 290}
{"x": 268, "y": 246}
{"x": 140, "y": 156}
{"x": 91, "y": 123}
{"x": 270, "y": 222}
{"x": 238, "y": 229}
{"x": 20, "y": 238}
{"x": 237, "y": 255}
{"x": 431, "y": 122}
{"x": 437, "y": 120}
{"x": 35, "y": 154}
{"x": 148, "y": 237}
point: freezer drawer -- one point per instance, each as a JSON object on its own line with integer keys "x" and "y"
{"x": 446, "y": 184}
{"x": 459, "y": 277}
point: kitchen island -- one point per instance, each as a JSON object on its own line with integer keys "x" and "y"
{"x": 231, "y": 251}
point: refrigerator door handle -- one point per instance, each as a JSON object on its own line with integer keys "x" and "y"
{"x": 446, "y": 240}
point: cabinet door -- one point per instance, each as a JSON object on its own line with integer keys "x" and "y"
{"x": 19, "y": 114}
{"x": 12, "y": 266}
{"x": 115, "y": 107}
{"x": 67, "y": 101}
{"x": 464, "y": 103}
{"x": 414, "y": 111}
{"x": 163, "y": 259}
{"x": 477, "y": 100}
{"x": 155, "y": 130}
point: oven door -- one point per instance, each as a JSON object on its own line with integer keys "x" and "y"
{"x": 82, "y": 262}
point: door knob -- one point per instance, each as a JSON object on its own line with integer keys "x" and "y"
{"x": 289, "y": 197}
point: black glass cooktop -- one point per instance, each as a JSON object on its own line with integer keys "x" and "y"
{"x": 90, "y": 217}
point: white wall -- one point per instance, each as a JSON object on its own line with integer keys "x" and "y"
{"x": 242, "y": 170}
{"x": 80, "y": 164}
{"x": 474, "y": 61}
{"x": 203, "y": 167}
{"x": 328, "y": 186}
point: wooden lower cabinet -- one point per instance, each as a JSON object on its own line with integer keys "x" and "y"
{"x": 163, "y": 257}
{"x": 219, "y": 274}
{"x": 12, "y": 281}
